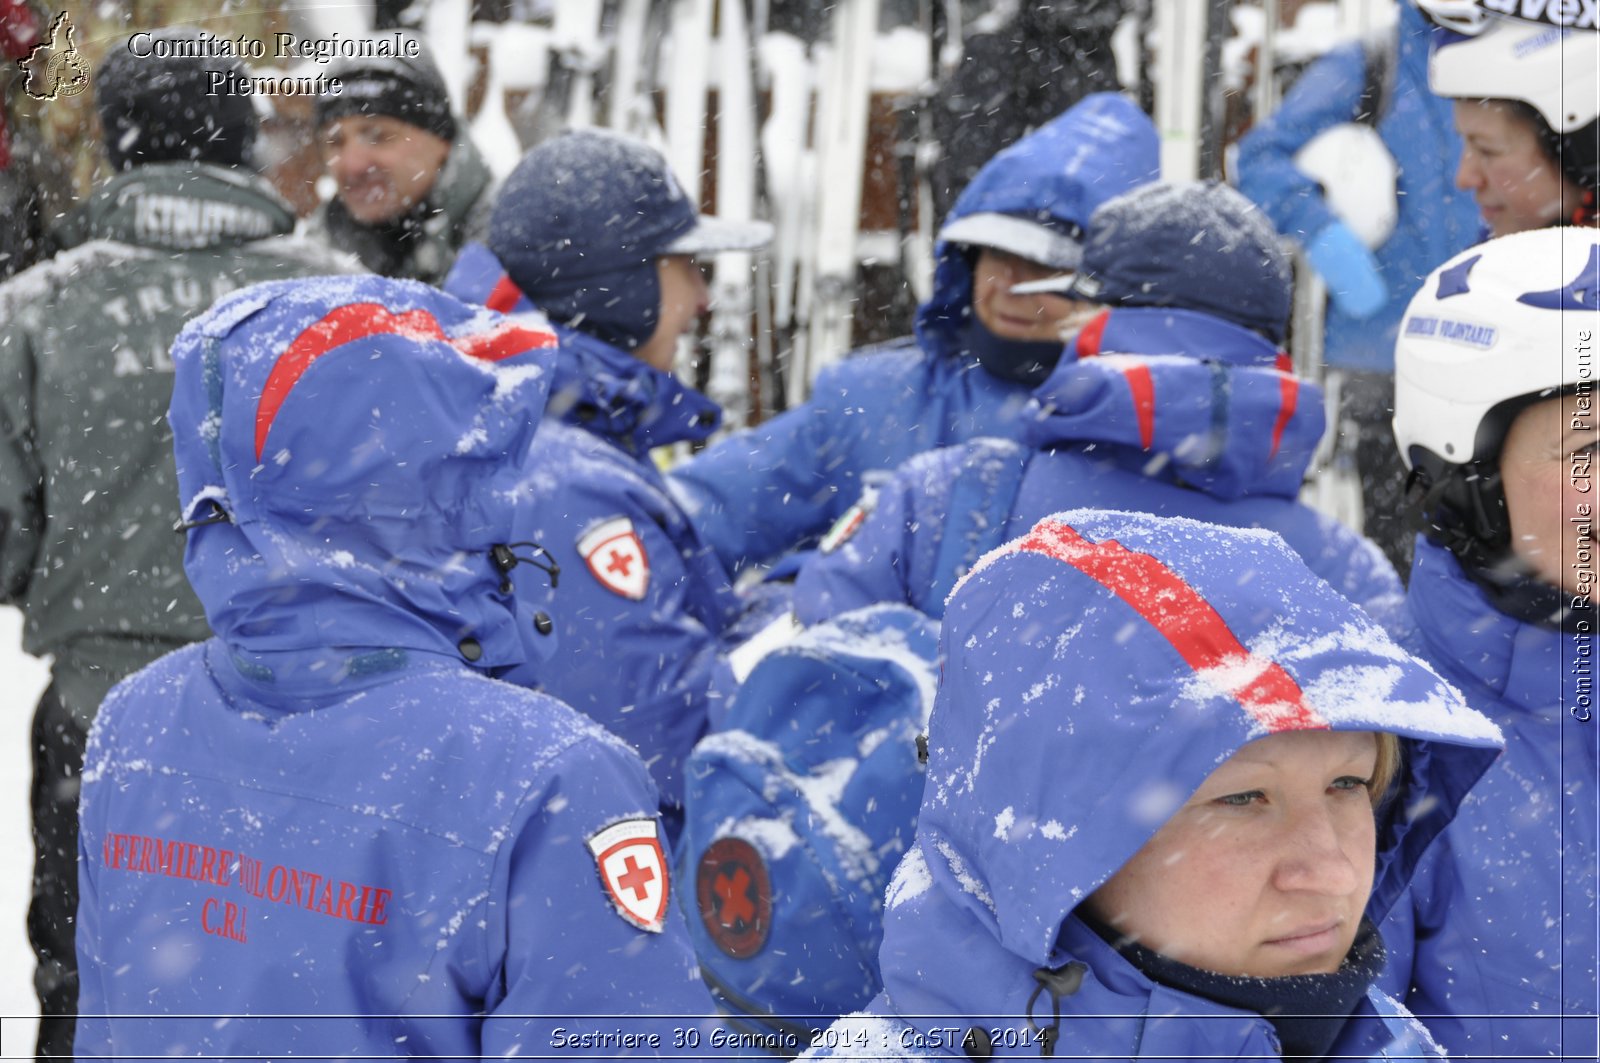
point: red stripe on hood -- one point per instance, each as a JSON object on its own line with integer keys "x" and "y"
{"x": 1182, "y": 616}
{"x": 1288, "y": 402}
{"x": 346, "y": 324}
{"x": 504, "y": 296}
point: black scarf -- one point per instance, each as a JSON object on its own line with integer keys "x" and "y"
{"x": 1027, "y": 362}
{"x": 382, "y": 247}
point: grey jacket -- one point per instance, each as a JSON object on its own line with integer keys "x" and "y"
{"x": 88, "y": 492}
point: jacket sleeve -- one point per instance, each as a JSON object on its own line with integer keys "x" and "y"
{"x": 644, "y": 667}
{"x": 21, "y": 475}
{"x": 891, "y": 556}
{"x": 580, "y": 978}
{"x": 775, "y": 488}
{"x": 1326, "y": 95}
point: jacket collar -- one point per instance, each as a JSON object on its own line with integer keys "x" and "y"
{"x": 1520, "y": 662}
{"x": 184, "y": 206}
{"x": 608, "y": 392}
{"x": 944, "y": 974}
{"x": 943, "y": 967}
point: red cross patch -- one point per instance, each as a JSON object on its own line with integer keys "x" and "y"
{"x": 734, "y": 894}
{"x": 633, "y": 867}
{"x": 615, "y": 556}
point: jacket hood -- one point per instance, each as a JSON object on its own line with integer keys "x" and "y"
{"x": 598, "y": 387}
{"x": 1055, "y": 177}
{"x": 1121, "y": 658}
{"x": 348, "y": 451}
{"x": 1195, "y": 400}
{"x": 183, "y": 206}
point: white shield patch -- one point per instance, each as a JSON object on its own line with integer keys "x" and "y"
{"x": 615, "y": 556}
{"x": 633, "y": 866}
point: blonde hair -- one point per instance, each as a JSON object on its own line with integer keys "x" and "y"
{"x": 1387, "y": 767}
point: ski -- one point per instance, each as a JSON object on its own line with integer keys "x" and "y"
{"x": 841, "y": 137}
{"x": 686, "y": 92}
{"x": 575, "y": 55}
{"x": 920, "y": 151}
{"x": 731, "y": 302}
{"x": 636, "y": 48}
{"x": 787, "y": 165}
{"x": 1180, "y": 32}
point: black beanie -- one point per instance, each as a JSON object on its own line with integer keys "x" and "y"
{"x": 410, "y": 90}
{"x": 155, "y": 109}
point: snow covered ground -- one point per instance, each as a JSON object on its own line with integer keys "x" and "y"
{"x": 21, "y": 680}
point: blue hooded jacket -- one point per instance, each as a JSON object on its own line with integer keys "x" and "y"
{"x": 761, "y": 493}
{"x": 1435, "y": 219}
{"x": 1162, "y": 411}
{"x": 644, "y": 609}
{"x": 1503, "y": 909}
{"x": 329, "y": 811}
{"x": 1096, "y": 671}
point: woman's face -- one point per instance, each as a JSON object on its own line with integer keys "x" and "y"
{"x": 1266, "y": 870}
{"x": 1517, "y": 185}
{"x": 1016, "y": 317}
{"x": 1546, "y": 469}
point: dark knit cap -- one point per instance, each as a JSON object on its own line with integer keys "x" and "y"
{"x": 1191, "y": 246}
{"x": 580, "y": 222}
{"x": 156, "y": 109}
{"x": 411, "y": 90}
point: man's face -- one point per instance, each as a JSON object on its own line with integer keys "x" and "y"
{"x": 383, "y": 166}
{"x": 1016, "y": 317}
{"x": 683, "y": 301}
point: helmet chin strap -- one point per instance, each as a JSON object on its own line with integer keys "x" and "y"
{"x": 1463, "y": 509}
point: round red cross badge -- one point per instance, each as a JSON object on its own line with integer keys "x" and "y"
{"x": 735, "y": 897}
{"x": 615, "y": 556}
{"x": 633, "y": 868}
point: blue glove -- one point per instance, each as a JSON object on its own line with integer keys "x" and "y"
{"x": 1349, "y": 269}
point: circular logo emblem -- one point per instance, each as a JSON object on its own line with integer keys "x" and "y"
{"x": 735, "y": 897}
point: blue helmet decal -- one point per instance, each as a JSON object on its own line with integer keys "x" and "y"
{"x": 1578, "y": 294}
{"x": 1453, "y": 281}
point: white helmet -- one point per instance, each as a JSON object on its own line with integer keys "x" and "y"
{"x": 1552, "y": 67}
{"x": 1554, "y": 70}
{"x": 1510, "y": 319}
{"x": 1495, "y": 329}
